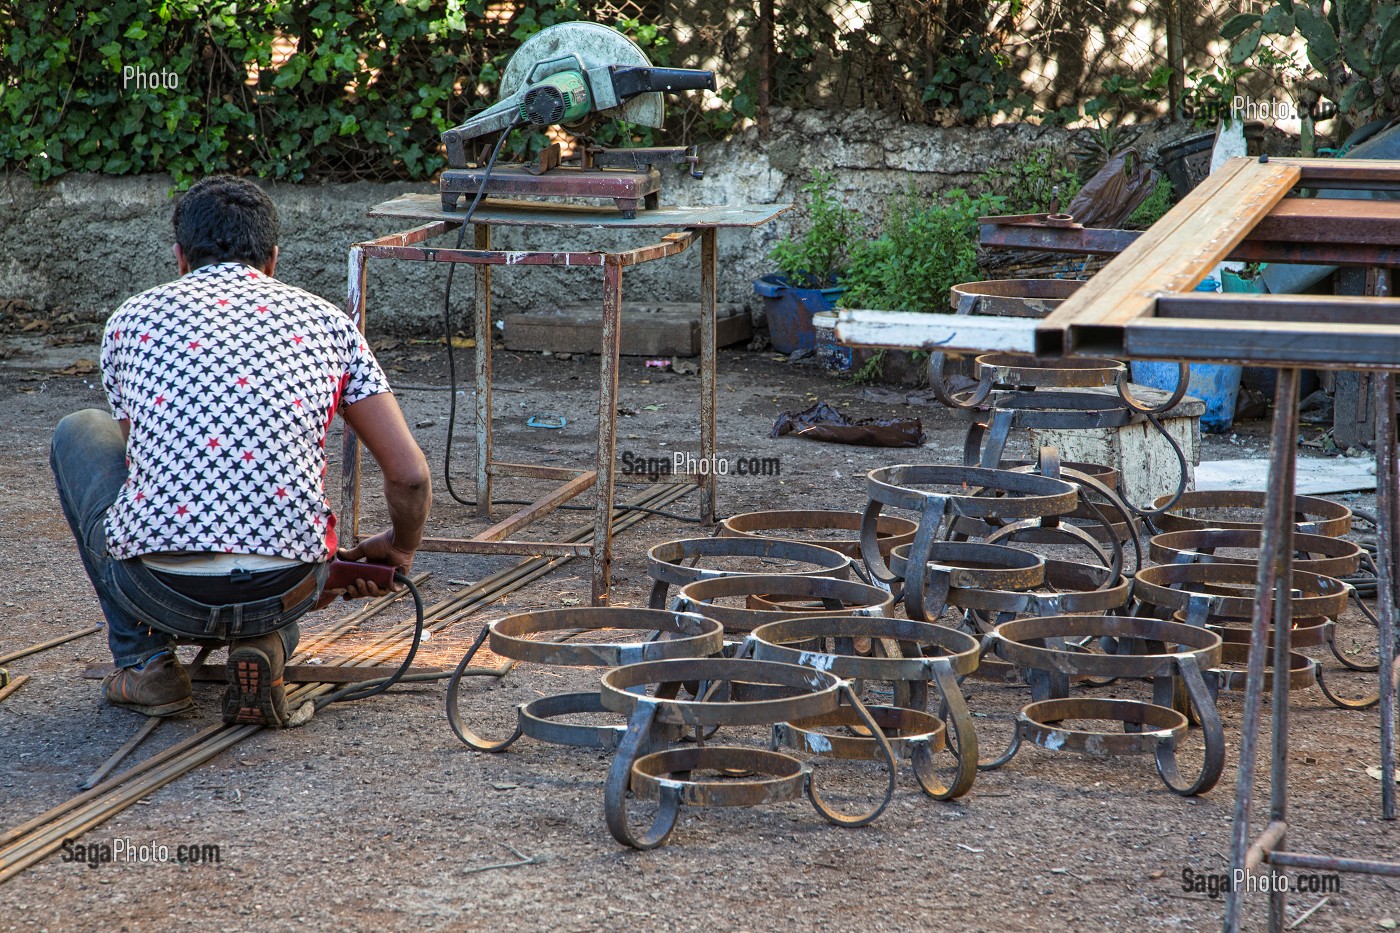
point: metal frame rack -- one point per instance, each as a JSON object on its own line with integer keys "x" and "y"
{"x": 687, "y": 225}
{"x": 1141, "y": 306}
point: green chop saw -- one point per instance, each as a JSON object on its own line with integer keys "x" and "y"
{"x": 567, "y": 75}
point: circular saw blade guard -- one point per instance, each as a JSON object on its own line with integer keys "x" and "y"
{"x": 598, "y": 46}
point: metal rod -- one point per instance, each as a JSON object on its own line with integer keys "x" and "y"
{"x": 709, "y": 278}
{"x": 13, "y": 685}
{"x": 538, "y": 509}
{"x": 1331, "y": 863}
{"x": 127, "y": 748}
{"x": 1275, "y": 537}
{"x": 350, "y": 442}
{"x": 482, "y": 364}
{"x": 46, "y": 645}
{"x": 607, "y": 430}
{"x": 1282, "y": 480}
{"x": 1387, "y": 507}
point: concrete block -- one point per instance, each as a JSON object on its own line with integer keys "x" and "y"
{"x": 1138, "y": 452}
{"x": 654, "y": 330}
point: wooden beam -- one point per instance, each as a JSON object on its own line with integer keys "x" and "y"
{"x": 1172, "y": 257}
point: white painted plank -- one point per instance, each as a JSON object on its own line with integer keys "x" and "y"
{"x": 1316, "y": 476}
{"x": 909, "y": 330}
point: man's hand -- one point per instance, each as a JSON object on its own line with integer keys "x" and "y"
{"x": 379, "y": 549}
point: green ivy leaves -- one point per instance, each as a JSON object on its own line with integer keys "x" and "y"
{"x": 288, "y": 89}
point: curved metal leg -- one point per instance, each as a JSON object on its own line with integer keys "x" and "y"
{"x": 917, "y": 591}
{"x": 634, "y": 744}
{"x": 991, "y": 764}
{"x": 891, "y": 765}
{"x": 1213, "y": 733}
{"x": 657, "y": 599}
{"x": 962, "y": 739}
{"x": 1337, "y": 653}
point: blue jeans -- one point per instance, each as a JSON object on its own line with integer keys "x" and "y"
{"x": 88, "y": 456}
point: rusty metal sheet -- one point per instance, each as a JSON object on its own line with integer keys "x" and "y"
{"x": 495, "y": 212}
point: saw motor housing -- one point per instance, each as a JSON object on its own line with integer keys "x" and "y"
{"x": 562, "y": 76}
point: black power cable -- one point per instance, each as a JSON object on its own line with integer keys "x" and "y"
{"x": 452, "y": 363}
{"x": 371, "y": 688}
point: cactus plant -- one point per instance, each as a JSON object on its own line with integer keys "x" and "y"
{"x": 1353, "y": 47}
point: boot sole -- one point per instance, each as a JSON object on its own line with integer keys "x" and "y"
{"x": 248, "y": 699}
{"x": 165, "y": 709}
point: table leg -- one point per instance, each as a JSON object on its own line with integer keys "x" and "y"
{"x": 1388, "y": 513}
{"x": 1273, "y": 601}
{"x": 607, "y": 428}
{"x": 482, "y": 317}
{"x": 350, "y": 443}
{"x": 709, "y": 271}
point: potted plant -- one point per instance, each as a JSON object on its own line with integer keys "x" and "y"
{"x": 810, "y": 266}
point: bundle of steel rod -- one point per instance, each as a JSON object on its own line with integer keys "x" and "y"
{"x": 37, "y": 838}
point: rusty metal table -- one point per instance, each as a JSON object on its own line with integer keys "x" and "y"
{"x": 683, "y": 226}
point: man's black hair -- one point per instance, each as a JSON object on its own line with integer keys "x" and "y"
{"x": 226, "y": 219}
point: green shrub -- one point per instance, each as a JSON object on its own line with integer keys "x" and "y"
{"x": 924, "y": 249}
{"x": 1154, "y": 208}
{"x": 1028, "y": 185}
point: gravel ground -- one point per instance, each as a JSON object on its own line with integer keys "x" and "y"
{"x": 374, "y": 816}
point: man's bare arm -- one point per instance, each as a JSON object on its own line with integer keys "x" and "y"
{"x": 379, "y": 423}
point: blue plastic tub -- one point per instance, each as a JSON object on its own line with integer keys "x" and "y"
{"x": 789, "y": 311}
{"x": 1216, "y": 384}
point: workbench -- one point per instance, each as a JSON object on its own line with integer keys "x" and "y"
{"x": 679, "y": 226}
{"x": 1141, "y": 306}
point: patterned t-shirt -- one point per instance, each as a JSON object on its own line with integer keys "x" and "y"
{"x": 230, "y": 380}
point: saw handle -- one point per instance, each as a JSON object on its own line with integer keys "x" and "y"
{"x": 629, "y": 81}
{"x": 345, "y": 572}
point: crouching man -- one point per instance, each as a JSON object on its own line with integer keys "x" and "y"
{"x": 199, "y": 504}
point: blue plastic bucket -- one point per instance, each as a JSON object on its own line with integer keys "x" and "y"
{"x": 1216, "y": 384}
{"x": 789, "y": 311}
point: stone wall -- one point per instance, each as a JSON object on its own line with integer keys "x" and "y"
{"x": 86, "y": 242}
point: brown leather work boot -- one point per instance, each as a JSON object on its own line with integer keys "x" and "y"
{"x": 160, "y": 688}
{"x": 256, "y": 694}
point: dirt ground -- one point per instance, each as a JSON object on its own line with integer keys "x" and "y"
{"x": 374, "y": 816}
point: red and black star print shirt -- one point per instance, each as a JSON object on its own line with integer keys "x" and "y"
{"x": 230, "y": 380}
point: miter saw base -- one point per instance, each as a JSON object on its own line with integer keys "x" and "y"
{"x": 630, "y": 190}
